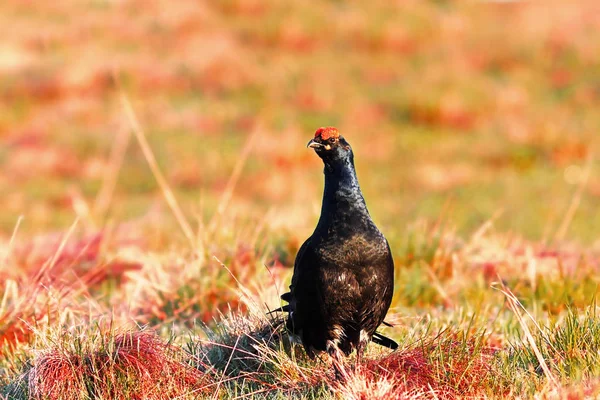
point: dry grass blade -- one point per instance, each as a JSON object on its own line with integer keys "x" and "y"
{"x": 483, "y": 229}
{"x": 160, "y": 179}
{"x": 216, "y": 394}
{"x": 575, "y": 201}
{"x": 233, "y": 179}
{"x": 245, "y": 293}
{"x": 59, "y": 251}
{"x": 109, "y": 180}
{"x": 435, "y": 282}
{"x": 11, "y": 243}
{"x": 10, "y": 291}
{"x": 515, "y": 306}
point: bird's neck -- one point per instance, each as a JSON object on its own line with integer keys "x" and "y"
{"x": 342, "y": 197}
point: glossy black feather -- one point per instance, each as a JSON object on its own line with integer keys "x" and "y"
{"x": 343, "y": 276}
{"x": 384, "y": 341}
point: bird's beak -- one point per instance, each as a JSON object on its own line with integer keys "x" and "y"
{"x": 313, "y": 144}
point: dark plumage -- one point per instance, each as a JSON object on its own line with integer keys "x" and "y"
{"x": 344, "y": 273}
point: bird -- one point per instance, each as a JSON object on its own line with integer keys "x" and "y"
{"x": 343, "y": 278}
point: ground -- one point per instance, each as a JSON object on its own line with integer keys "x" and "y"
{"x": 155, "y": 188}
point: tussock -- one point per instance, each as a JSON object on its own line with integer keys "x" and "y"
{"x": 127, "y": 366}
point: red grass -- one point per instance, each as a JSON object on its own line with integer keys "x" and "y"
{"x": 42, "y": 276}
{"x": 463, "y": 371}
{"x": 134, "y": 365}
{"x": 45, "y": 261}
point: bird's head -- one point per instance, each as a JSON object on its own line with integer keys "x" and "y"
{"x": 330, "y": 145}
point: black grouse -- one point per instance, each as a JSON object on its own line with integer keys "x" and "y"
{"x": 343, "y": 276}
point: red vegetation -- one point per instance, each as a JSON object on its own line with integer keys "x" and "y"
{"x": 440, "y": 368}
{"x": 129, "y": 366}
{"x": 44, "y": 274}
{"x": 50, "y": 261}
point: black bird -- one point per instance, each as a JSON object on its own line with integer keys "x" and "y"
{"x": 343, "y": 276}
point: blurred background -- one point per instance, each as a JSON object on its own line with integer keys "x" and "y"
{"x": 456, "y": 110}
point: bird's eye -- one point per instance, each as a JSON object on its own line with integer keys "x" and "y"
{"x": 332, "y": 140}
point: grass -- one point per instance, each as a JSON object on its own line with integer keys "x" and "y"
{"x": 248, "y": 356}
{"x": 138, "y": 331}
{"x": 155, "y": 191}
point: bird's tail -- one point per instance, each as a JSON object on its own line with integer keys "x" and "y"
{"x": 285, "y": 297}
{"x": 285, "y": 308}
{"x": 384, "y": 341}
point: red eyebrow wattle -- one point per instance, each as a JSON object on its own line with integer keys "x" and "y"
{"x": 327, "y": 132}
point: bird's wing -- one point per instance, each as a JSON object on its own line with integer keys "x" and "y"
{"x": 298, "y": 266}
{"x": 303, "y": 296}
{"x": 287, "y": 296}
